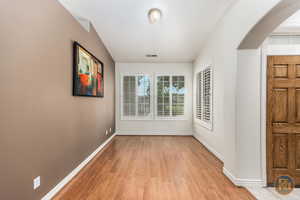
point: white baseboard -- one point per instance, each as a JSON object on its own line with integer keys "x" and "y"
{"x": 230, "y": 176}
{"x": 242, "y": 182}
{"x": 71, "y": 175}
{"x": 236, "y": 181}
{"x": 212, "y": 150}
{"x": 179, "y": 133}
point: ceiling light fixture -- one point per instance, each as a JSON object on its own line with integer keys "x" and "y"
{"x": 154, "y": 15}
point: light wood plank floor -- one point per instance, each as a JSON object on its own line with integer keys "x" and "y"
{"x": 153, "y": 168}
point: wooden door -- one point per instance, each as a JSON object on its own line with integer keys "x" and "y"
{"x": 283, "y": 120}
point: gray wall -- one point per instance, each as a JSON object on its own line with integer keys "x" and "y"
{"x": 44, "y": 130}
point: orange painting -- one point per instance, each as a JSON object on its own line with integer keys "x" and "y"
{"x": 88, "y": 73}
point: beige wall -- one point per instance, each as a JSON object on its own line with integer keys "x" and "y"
{"x": 44, "y": 130}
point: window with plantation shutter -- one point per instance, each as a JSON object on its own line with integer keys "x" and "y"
{"x": 136, "y": 97}
{"x": 204, "y": 97}
{"x": 129, "y": 94}
{"x": 178, "y": 93}
{"x": 207, "y": 94}
{"x": 199, "y": 96}
{"x": 170, "y": 96}
{"x": 163, "y": 97}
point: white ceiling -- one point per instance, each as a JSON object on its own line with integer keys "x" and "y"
{"x": 126, "y": 32}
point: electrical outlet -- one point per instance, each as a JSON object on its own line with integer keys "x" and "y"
{"x": 106, "y": 132}
{"x": 36, "y": 182}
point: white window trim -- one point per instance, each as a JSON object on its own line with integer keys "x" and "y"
{"x": 137, "y": 118}
{"x": 207, "y": 125}
{"x": 183, "y": 117}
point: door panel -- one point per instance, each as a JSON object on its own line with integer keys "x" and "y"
{"x": 297, "y": 141}
{"x": 283, "y": 120}
{"x": 280, "y": 109}
{"x": 280, "y": 151}
{"x": 297, "y": 105}
{"x": 280, "y": 71}
{"x": 298, "y": 71}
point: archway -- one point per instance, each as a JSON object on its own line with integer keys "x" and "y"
{"x": 269, "y": 23}
{"x": 251, "y": 79}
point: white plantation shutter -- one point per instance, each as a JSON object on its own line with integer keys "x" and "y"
{"x": 204, "y": 97}
{"x": 163, "y": 96}
{"x": 170, "y": 96}
{"x": 136, "y": 97}
{"x": 207, "y": 94}
{"x": 129, "y": 96}
{"x": 178, "y": 92}
{"x": 199, "y": 96}
{"x": 144, "y": 96}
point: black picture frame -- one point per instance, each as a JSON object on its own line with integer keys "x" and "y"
{"x": 80, "y": 89}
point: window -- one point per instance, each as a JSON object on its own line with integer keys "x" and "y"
{"x": 204, "y": 97}
{"x": 170, "y": 96}
{"x": 136, "y": 97}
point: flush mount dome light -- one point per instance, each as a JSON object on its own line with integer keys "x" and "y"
{"x": 154, "y": 15}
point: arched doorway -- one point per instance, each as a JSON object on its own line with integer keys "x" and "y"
{"x": 249, "y": 51}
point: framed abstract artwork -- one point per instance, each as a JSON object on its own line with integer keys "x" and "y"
{"x": 88, "y": 76}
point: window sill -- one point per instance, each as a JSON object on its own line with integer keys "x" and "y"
{"x": 171, "y": 119}
{"x": 156, "y": 119}
{"x": 136, "y": 119}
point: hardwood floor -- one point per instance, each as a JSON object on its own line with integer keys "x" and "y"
{"x": 153, "y": 168}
